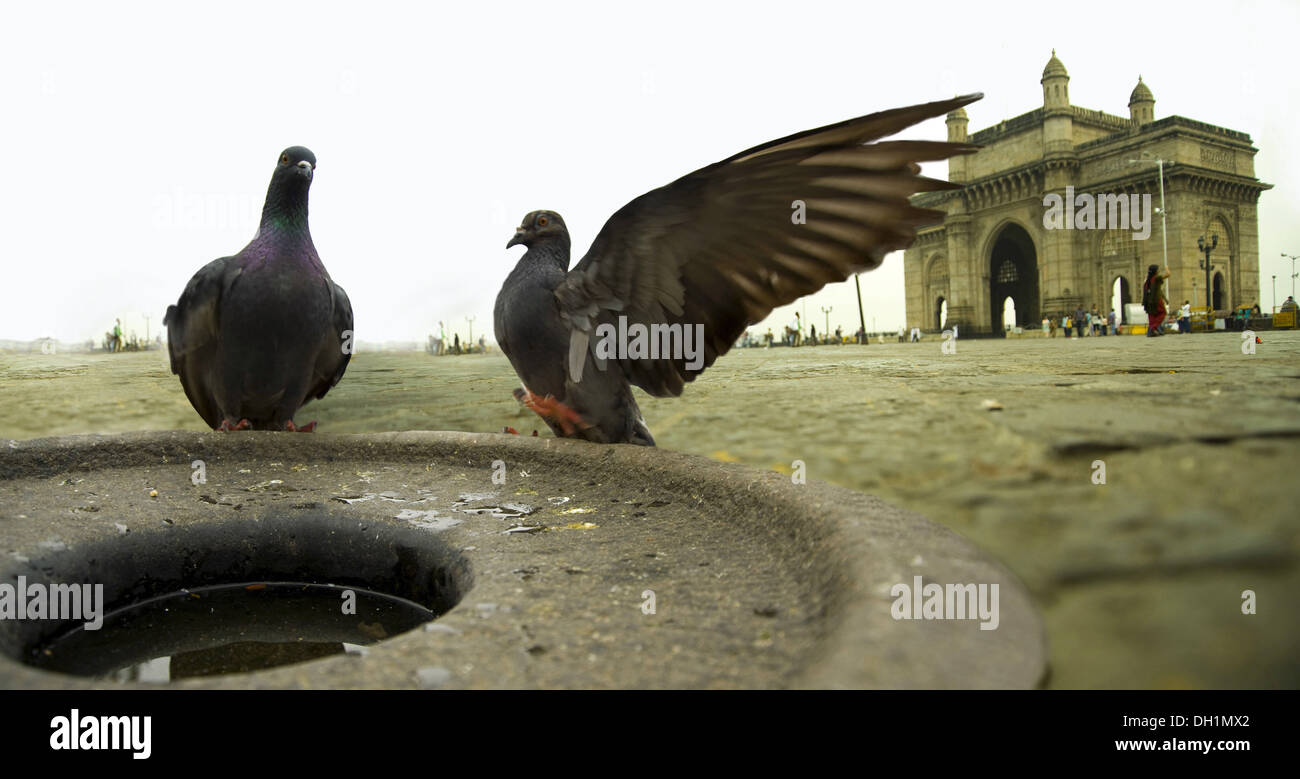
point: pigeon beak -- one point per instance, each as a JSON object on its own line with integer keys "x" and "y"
{"x": 520, "y": 234}
{"x": 304, "y": 168}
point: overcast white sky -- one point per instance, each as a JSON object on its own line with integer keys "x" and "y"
{"x": 137, "y": 140}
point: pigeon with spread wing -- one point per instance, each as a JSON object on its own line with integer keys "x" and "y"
{"x": 682, "y": 270}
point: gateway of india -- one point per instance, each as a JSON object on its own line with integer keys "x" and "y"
{"x": 992, "y": 255}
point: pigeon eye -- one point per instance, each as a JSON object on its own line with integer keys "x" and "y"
{"x": 284, "y": 159}
{"x": 541, "y": 221}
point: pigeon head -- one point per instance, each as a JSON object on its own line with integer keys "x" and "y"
{"x": 295, "y": 162}
{"x": 538, "y": 226}
{"x": 286, "y": 198}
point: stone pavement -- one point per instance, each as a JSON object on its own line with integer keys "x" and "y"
{"x": 1140, "y": 578}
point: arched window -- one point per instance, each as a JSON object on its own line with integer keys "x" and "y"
{"x": 1118, "y": 244}
{"x": 1007, "y": 272}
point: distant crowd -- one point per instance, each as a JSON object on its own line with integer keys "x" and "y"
{"x": 115, "y": 341}
{"x": 794, "y": 335}
{"x": 1083, "y": 323}
{"x": 439, "y": 346}
{"x": 1080, "y": 323}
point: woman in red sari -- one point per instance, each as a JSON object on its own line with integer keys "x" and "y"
{"x": 1153, "y": 297}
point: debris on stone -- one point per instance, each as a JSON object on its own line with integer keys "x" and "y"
{"x": 433, "y": 677}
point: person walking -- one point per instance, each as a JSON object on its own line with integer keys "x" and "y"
{"x": 1153, "y": 299}
{"x": 1110, "y": 323}
{"x": 1185, "y": 317}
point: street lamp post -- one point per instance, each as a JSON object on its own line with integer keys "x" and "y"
{"x": 1160, "y": 165}
{"x": 1207, "y": 247}
{"x": 1291, "y": 257}
{"x": 1274, "y": 293}
{"x": 862, "y": 319}
{"x": 470, "y": 319}
{"x": 827, "y": 321}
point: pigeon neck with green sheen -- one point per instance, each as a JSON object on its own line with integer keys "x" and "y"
{"x": 285, "y": 212}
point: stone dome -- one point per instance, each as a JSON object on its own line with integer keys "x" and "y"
{"x": 1141, "y": 94}
{"x": 1054, "y": 68}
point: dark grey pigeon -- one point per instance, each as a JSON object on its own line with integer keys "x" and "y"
{"x": 257, "y": 335}
{"x": 675, "y": 276}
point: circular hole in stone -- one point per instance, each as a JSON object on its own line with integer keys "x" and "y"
{"x": 234, "y": 596}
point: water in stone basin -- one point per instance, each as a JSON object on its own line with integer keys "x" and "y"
{"x": 231, "y": 628}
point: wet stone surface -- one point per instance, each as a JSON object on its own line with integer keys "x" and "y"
{"x": 572, "y": 565}
{"x": 540, "y": 595}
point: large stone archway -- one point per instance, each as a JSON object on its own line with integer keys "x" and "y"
{"x": 1013, "y": 273}
{"x": 936, "y": 289}
{"x": 1056, "y": 265}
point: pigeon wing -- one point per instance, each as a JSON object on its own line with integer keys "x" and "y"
{"x": 723, "y": 246}
{"x": 192, "y": 327}
{"x": 335, "y": 359}
{"x": 192, "y": 323}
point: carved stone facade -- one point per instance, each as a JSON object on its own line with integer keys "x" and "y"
{"x": 993, "y": 244}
